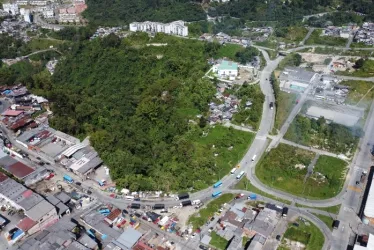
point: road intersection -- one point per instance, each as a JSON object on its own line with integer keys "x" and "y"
{"x": 348, "y": 198}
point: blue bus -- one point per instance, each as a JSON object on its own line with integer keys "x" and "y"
{"x": 215, "y": 194}
{"x": 216, "y": 185}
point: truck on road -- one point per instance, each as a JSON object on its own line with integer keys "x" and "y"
{"x": 285, "y": 211}
{"x": 186, "y": 203}
{"x": 182, "y": 196}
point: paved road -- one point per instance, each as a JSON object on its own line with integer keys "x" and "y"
{"x": 368, "y": 79}
{"x": 310, "y": 31}
{"x": 352, "y": 199}
{"x": 315, "y": 150}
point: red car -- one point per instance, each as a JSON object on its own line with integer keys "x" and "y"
{"x": 50, "y": 176}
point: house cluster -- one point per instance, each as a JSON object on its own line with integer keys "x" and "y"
{"x": 226, "y": 106}
{"x": 255, "y": 223}
{"x": 51, "y": 65}
{"x": 50, "y": 10}
{"x": 16, "y": 27}
{"x": 343, "y": 32}
{"x": 177, "y": 28}
{"x": 72, "y": 13}
{"x": 365, "y": 34}
{"x": 224, "y": 38}
{"x": 104, "y": 31}
{"x": 259, "y": 34}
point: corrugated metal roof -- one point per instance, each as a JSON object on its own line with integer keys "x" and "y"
{"x": 369, "y": 207}
{"x": 70, "y": 151}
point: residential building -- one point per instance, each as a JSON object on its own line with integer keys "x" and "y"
{"x": 174, "y": 28}
{"x": 68, "y": 15}
{"x": 11, "y": 8}
{"x": 226, "y": 69}
{"x": 48, "y": 13}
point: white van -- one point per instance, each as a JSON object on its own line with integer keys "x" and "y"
{"x": 233, "y": 170}
{"x": 129, "y": 198}
{"x": 254, "y": 158}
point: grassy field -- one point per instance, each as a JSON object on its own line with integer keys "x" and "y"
{"x": 334, "y": 170}
{"x": 309, "y": 235}
{"x": 244, "y": 184}
{"x": 272, "y": 54}
{"x": 333, "y": 209}
{"x": 217, "y": 241}
{"x": 316, "y": 38}
{"x": 367, "y": 70}
{"x": 229, "y": 51}
{"x": 222, "y": 138}
{"x": 285, "y": 103}
{"x": 326, "y": 219}
{"x": 360, "y": 45}
{"x": 361, "y": 91}
{"x": 199, "y": 219}
{"x": 282, "y": 168}
{"x": 294, "y": 34}
{"x": 40, "y": 44}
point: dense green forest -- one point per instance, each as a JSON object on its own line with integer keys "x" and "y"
{"x": 330, "y": 136}
{"x": 139, "y": 104}
{"x": 119, "y": 12}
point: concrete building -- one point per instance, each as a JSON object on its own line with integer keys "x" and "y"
{"x": 296, "y": 79}
{"x": 11, "y": 8}
{"x": 174, "y": 28}
{"x": 40, "y": 213}
{"x": 226, "y": 69}
{"x": 27, "y": 16}
{"x": 48, "y": 13}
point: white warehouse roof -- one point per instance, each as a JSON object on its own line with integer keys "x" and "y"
{"x": 369, "y": 207}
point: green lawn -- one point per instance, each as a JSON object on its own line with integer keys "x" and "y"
{"x": 294, "y": 34}
{"x": 282, "y": 168}
{"x": 309, "y": 235}
{"x": 40, "y": 44}
{"x": 229, "y": 51}
{"x": 361, "y": 91}
{"x": 217, "y": 241}
{"x": 333, "y": 209}
{"x": 200, "y": 218}
{"x": 326, "y": 219}
{"x": 222, "y": 138}
{"x": 316, "y": 38}
{"x": 360, "y": 45}
{"x": 285, "y": 103}
{"x": 244, "y": 184}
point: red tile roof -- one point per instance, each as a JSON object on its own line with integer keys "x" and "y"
{"x": 25, "y": 224}
{"x": 3, "y": 177}
{"x": 20, "y": 170}
{"x": 10, "y": 112}
{"x": 114, "y": 214}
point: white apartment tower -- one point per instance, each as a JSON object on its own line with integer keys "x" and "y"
{"x": 174, "y": 28}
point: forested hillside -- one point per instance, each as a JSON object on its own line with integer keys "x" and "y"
{"x": 119, "y": 12}
{"x": 139, "y": 104}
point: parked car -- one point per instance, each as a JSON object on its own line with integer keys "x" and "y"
{"x": 78, "y": 183}
{"x": 278, "y": 237}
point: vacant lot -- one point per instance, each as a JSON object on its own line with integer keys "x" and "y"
{"x": 217, "y": 241}
{"x": 319, "y": 133}
{"x": 316, "y": 38}
{"x": 42, "y": 43}
{"x": 293, "y": 34}
{"x": 361, "y": 93}
{"x": 367, "y": 70}
{"x": 285, "y": 103}
{"x": 306, "y": 233}
{"x": 284, "y": 168}
{"x": 229, "y": 51}
{"x": 218, "y": 142}
{"x": 327, "y": 179}
{"x": 199, "y": 219}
